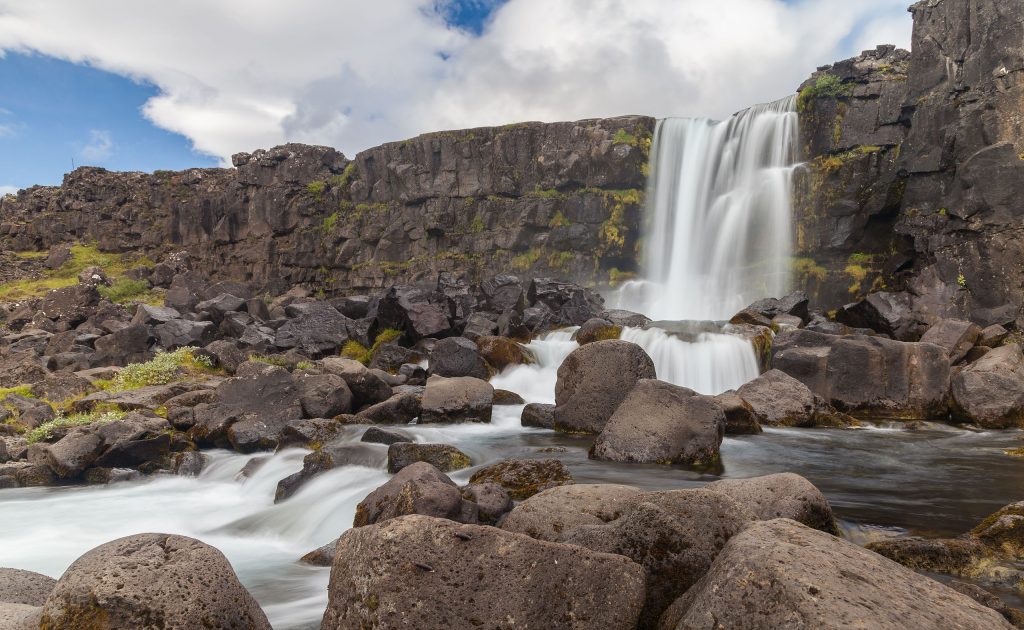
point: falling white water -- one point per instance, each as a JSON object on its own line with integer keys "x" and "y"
{"x": 719, "y": 213}
{"x": 710, "y": 364}
{"x": 536, "y": 383}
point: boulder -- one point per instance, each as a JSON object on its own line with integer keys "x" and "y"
{"x": 227, "y": 354}
{"x": 323, "y": 395}
{"x": 492, "y": 501}
{"x": 444, "y": 457}
{"x": 389, "y": 357}
{"x": 479, "y": 325}
{"x": 402, "y": 408}
{"x": 417, "y": 489}
{"x": 151, "y": 315}
{"x": 457, "y": 356}
{"x": 152, "y": 579}
{"x": 780, "y": 574}
{"x": 311, "y": 432}
{"x": 557, "y": 511}
{"x": 597, "y": 329}
{"x": 417, "y": 312}
{"x": 538, "y": 415}
{"x": 783, "y": 495}
{"x": 868, "y": 377}
{"x": 740, "y": 418}
{"x": 328, "y": 457}
{"x": 317, "y": 329}
{"x": 72, "y": 305}
{"x": 955, "y": 336}
{"x": 593, "y": 380}
{"x": 73, "y": 453}
{"x": 993, "y": 336}
{"x": 524, "y": 478}
{"x": 569, "y": 304}
{"x": 25, "y": 587}
{"x": 778, "y": 399}
{"x": 501, "y": 352}
{"x": 891, "y": 314}
{"x": 502, "y": 292}
{"x": 19, "y": 616}
{"x": 990, "y": 391}
{"x": 367, "y": 388}
{"x": 60, "y": 386}
{"x": 178, "y": 333}
{"x": 661, "y": 423}
{"x": 625, "y": 319}
{"x": 422, "y": 572}
{"x": 321, "y": 556}
{"x": 952, "y": 556}
{"x": 128, "y": 345}
{"x": 508, "y": 398}
{"x": 794, "y": 305}
{"x": 459, "y": 399}
{"x": 674, "y": 536}
{"x": 1003, "y": 531}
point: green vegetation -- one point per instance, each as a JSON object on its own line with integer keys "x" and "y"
{"x": 357, "y": 351}
{"x": 962, "y": 280}
{"x": 305, "y": 365}
{"x": 477, "y": 225}
{"x": 858, "y": 274}
{"x": 806, "y": 268}
{"x": 558, "y": 220}
{"x": 330, "y": 222}
{"x": 860, "y": 259}
{"x": 616, "y": 277}
{"x": 837, "y": 161}
{"x": 82, "y": 256}
{"x": 549, "y": 193}
{"x": 612, "y": 234}
{"x": 47, "y": 430}
{"x": 526, "y": 260}
{"x": 18, "y": 390}
{"x": 827, "y": 86}
{"x": 560, "y": 260}
{"x": 943, "y": 212}
{"x": 164, "y": 368}
{"x": 316, "y": 189}
{"x": 277, "y": 361}
{"x": 125, "y": 290}
{"x": 624, "y": 137}
{"x": 343, "y": 181}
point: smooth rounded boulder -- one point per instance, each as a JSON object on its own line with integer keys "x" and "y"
{"x": 142, "y": 580}
{"x": 417, "y": 489}
{"x": 781, "y": 574}
{"x": 661, "y": 423}
{"x": 444, "y": 457}
{"x": 456, "y": 399}
{"x": 593, "y": 380}
{"x": 990, "y": 391}
{"x": 783, "y": 495}
{"x": 778, "y": 399}
{"x": 422, "y": 572}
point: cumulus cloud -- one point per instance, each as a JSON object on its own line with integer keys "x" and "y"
{"x": 100, "y": 146}
{"x": 241, "y": 74}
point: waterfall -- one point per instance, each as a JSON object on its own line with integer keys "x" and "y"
{"x": 719, "y": 208}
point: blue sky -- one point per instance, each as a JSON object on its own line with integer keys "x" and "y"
{"x": 145, "y": 86}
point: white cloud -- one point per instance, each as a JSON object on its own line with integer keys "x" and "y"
{"x": 100, "y": 146}
{"x": 8, "y": 190}
{"x": 253, "y": 73}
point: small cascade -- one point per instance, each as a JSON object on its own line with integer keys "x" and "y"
{"x": 719, "y": 207}
{"x": 710, "y": 364}
{"x": 536, "y": 383}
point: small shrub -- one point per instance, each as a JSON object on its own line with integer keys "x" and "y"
{"x": 259, "y": 358}
{"x": 356, "y": 351}
{"x": 317, "y": 189}
{"x": 330, "y": 223}
{"x": 165, "y": 367}
{"x": 807, "y": 268}
{"x": 124, "y": 290}
{"x": 17, "y": 390}
{"x": 962, "y": 280}
{"x": 47, "y": 430}
{"x": 827, "y": 86}
{"x": 305, "y": 365}
{"x": 624, "y": 137}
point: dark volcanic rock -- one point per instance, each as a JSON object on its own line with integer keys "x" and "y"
{"x": 463, "y": 399}
{"x": 379, "y": 570}
{"x": 318, "y": 329}
{"x": 250, "y": 413}
{"x": 457, "y": 356}
{"x": 778, "y": 399}
{"x": 990, "y": 391}
{"x": 593, "y": 380}
{"x": 418, "y": 488}
{"x": 524, "y": 478}
{"x": 444, "y": 457}
{"x": 538, "y": 415}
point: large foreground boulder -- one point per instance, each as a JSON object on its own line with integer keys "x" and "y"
{"x": 555, "y": 512}
{"x": 661, "y": 423}
{"x": 990, "y": 391}
{"x": 152, "y": 580}
{"x": 593, "y": 380}
{"x": 783, "y": 495}
{"x": 868, "y": 377}
{"x": 780, "y": 574}
{"x": 421, "y": 572}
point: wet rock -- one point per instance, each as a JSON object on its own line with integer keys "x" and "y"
{"x": 411, "y": 572}
{"x": 593, "y": 380}
{"x": 816, "y": 580}
{"x": 311, "y": 432}
{"x": 377, "y": 435}
{"x": 783, "y": 495}
{"x": 105, "y": 476}
{"x": 1013, "y": 615}
{"x": 367, "y": 388}
{"x": 462, "y": 399}
{"x": 625, "y": 319}
{"x": 501, "y": 352}
{"x": 321, "y": 556}
{"x": 444, "y": 457}
{"x": 131, "y": 581}
{"x": 457, "y": 356}
{"x": 524, "y": 478}
{"x": 778, "y": 399}
{"x": 597, "y": 329}
{"x": 955, "y": 336}
{"x": 752, "y": 318}
{"x": 1003, "y": 531}
{"x": 189, "y": 463}
{"x": 418, "y": 488}
{"x": 661, "y": 423}
{"x": 990, "y": 391}
{"x": 323, "y": 395}
{"x": 794, "y": 305}
{"x": 674, "y": 535}
{"x": 739, "y": 416}
{"x": 25, "y": 587}
{"x": 557, "y": 511}
{"x": 507, "y": 398}
{"x": 402, "y": 408}
{"x": 952, "y": 556}
{"x": 492, "y": 500}
{"x": 538, "y": 415}
{"x": 328, "y": 457}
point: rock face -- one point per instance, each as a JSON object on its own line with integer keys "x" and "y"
{"x": 869, "y": 377}
{"x": 148, "y": 579}
{"x": 414, "y": 572}
{"x": 780, "y": 574}
{"x": 537, "y": 198}
{"x": 914, "y": 171}
{"x": 593, "y": 380}
{"x": 990, "y": 391}
{"x": 661, "y": 423}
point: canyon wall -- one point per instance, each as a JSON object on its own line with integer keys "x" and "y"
{"x": 914, "y": 179}
{"x": 537, "y": 199}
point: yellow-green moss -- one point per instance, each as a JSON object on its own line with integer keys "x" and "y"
{"x": 526, "y": 260}
{"x": 82, "y": 256}
{"x": 826, "y": 86}
{"x": 807, "y": 268}
{"x": 46, "y": 430}
{"x": 858, "y": 274}
{"x": 558, "y": 220}
{"x": 316, "y": 189}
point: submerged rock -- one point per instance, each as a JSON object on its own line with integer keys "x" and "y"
{"x": 523, "y": 478}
